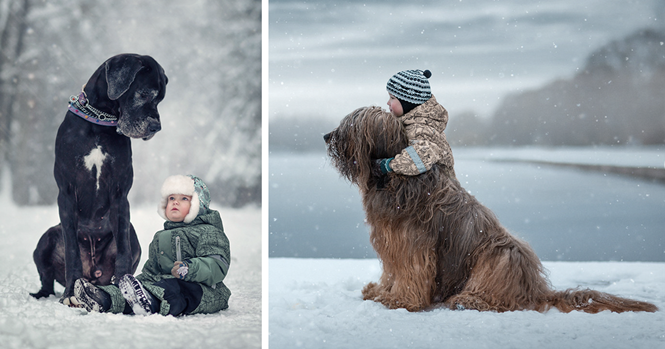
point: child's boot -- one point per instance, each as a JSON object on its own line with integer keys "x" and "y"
{"x": 90, "y": 297}
{"x": 140, "y": 300}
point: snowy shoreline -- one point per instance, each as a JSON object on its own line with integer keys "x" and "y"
{"x": 316, "y": 303}
{"x": 638, "y": 162}
{"x": 647, "y": 173}
{"x": 619, "y": 156}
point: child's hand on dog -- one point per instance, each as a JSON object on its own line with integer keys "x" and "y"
{"x": 179, "y": 270}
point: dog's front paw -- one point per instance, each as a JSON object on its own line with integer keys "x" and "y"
{"x": 65, "y": 298}
{"x": 370, "y": 291}
{"x": 468, "y": 302}
{"x": 70, "y": 302}
{"x": 374, "y": 292}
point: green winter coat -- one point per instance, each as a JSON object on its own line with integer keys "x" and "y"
{"x": 206, "y": 249}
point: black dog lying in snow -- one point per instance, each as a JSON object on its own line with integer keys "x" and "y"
{"x": 93, "y": 170}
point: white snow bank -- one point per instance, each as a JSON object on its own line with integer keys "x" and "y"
{"x": 316, "y": 303}
{"x": 29, "y": 323}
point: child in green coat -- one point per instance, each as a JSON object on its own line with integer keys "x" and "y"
{"x": 187, "y": 262}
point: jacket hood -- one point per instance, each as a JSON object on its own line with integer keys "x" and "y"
{"x": 431, "y": 111}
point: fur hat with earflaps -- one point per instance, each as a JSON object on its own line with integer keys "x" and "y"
{"x": 186, "y": 185}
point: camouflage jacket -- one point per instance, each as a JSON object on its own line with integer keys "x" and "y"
{"x": 203, "y": 245}
{"x": 428, "y": 145}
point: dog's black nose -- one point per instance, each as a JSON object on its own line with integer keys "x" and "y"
{"x": 154, "y": 127}
{"x": 326, "y": 137}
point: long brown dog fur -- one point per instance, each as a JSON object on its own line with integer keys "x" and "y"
{"x": 438, "y": 245}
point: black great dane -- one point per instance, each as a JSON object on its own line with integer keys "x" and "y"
{"x": 93, "y": 170}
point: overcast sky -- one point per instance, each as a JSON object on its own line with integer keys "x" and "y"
{"x": 329, "y": 57}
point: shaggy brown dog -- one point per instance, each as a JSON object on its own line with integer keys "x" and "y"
{"x": 437, "y": 243}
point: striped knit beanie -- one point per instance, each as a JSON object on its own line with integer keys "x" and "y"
{"x": 410, "y": 86}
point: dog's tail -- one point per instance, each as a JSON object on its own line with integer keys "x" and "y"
{"x": 591, "y": 301}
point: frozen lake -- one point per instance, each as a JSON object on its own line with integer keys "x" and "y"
{"x": 565, "y": 214}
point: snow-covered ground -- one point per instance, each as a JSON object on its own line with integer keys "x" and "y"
{"x": 316, "y": 303}
{"x": 29, "y": 323}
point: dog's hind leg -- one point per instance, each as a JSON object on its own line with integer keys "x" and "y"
{"x": 48, "y": 261}
{"x": 506, "y": 277}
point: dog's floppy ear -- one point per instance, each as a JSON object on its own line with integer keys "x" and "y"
{"x": 120, "y": 73}
{"x": 389, "y": 136}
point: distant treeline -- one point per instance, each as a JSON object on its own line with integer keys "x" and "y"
{"x": 617, "y": 98}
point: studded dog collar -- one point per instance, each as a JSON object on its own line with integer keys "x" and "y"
{"x": 79, "y": 106}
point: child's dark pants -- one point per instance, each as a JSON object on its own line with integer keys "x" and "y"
{"x": 182, "y": 296}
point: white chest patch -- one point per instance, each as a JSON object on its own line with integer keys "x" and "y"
{"x": 95, "y": 160}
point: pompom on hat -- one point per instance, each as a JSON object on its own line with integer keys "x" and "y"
{"x": 410, "y": 86}
{"x": 185, "y": 185}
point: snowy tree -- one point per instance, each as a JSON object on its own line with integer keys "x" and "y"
{"x": 211, "y": 52}
{"x": 12, "y": 28}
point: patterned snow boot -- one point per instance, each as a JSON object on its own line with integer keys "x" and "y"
{"x": 90, "y": 297}
{"x": 141, "y": 302}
